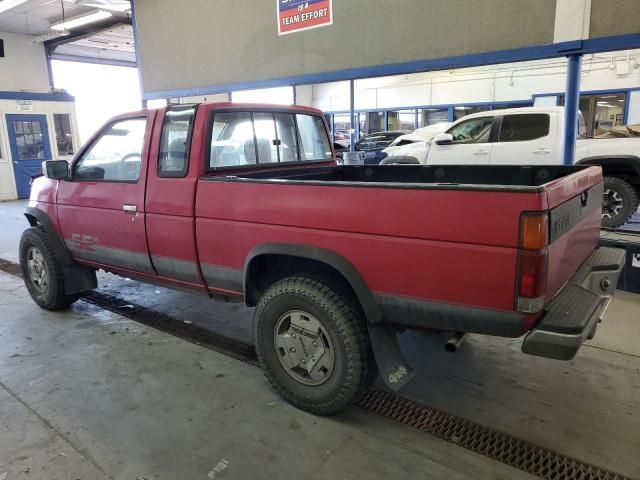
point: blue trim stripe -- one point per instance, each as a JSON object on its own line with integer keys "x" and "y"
{"x": 538, "y": 52}
{"x": 45, "y": 97}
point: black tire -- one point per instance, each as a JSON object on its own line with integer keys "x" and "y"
{"x": 618, "y": 190}
{"x": 344, "y": 323}
{"x": 52, "y": 297}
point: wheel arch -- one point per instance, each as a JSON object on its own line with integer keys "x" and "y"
{"x": 77, "y": 278}
{"x": 297, "y": 258}
{"x": 615, "y": 165}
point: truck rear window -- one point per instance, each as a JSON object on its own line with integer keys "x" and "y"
{"x": 250, "y": 138}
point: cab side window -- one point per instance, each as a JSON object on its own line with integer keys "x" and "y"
{"x": 474, "y": 130}
{"x": 115, "y": 156}
{"x": 173, "y": 158}
{"x": 523, "y": 127}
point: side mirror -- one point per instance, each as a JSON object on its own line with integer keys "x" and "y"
{"x": 56, "y": 169}
{"x": 443, "y": 139}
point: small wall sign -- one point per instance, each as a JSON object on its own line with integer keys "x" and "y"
{"x": 24, "y": 105}
{"x": 299, "y": 15}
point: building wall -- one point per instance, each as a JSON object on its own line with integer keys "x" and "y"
{"x": 499, "y": 83}
{"x": 218, "y": 42}
{"x": 24, "y": 76}
{"x": 24, "y": 66}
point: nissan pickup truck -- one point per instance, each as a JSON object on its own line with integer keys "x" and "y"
{"x": 246, "y": 203}
{"x": 532, "y": 136}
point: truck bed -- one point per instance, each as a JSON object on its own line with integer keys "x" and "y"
{"x": 466, "y": 177}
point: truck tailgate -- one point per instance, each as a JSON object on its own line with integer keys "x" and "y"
{"x": 575, "y": 206}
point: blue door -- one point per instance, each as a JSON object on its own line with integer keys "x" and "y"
{"x": 29, "y": 140}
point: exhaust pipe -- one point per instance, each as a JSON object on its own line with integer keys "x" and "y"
{"x": 453, "y": 344}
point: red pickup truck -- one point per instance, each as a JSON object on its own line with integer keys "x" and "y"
{"x": 246, "y": 202}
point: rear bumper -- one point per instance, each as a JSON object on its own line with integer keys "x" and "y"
{"x": 573, "y": 315}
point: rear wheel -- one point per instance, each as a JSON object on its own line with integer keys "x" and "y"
{"x": 311, "y": 341}
{"x": 42, "y": 271}
{"x": 619, "y": 203}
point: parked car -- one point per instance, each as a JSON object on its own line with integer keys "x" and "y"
{"x": 199, "y": 198}
{"x": 371, "y": 145}
{"x": 415, "y": 144}
{"x": 533, "y": 136}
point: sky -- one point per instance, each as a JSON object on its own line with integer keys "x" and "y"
{"x": 101, "y": 92}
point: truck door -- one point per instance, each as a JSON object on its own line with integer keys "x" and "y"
{"x": 471, "y": 144}
{"x": 101, "y": 208}
{"x": 171, "y": 188}
{"x": 526, "y": 139}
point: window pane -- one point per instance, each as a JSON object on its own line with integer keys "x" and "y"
{"x": 401, "y": 120}
{"x": 371, "y": 122}
{"x": 475, "y": 130}
{"x": 286, "y": 131}
{"x": 232, "y": 140}
{"x": 518, "y": 128}
{"x": 64, "y": 137}
{"x": 29, "y": 146}
{"x": 314, "y": 142}
{"x": 461, "y": 111}
{"x": 429, "y": 116}
{"x": 266, "y": 139}
{"x": 117, "y": 154}
{"x": 172, "y": 160}
{"x": 342, "y": 127}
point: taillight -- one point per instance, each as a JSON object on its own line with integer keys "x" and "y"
{"x": 532, "y": 262}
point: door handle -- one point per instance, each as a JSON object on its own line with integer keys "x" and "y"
{"x": 542, "y": 151}
{"x": 129, "y": 208}
{"x": 481, "y": 153}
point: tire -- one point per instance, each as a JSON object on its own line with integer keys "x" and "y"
{"x": 36, "y": 255}
{"x": 342, "y": 337}
{"x": 620, "y": 202}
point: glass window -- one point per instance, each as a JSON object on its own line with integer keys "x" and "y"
{"x": 462, "y": 111}
{"x": 172, "y": 159}
{"x": 429, "y": 116}
{"x": 377, "y": 141}
{"x": 266, "y": 138}
{"x": 601, "y": 112}
{"x": 313, "y": 139}
{"x": 287, "y": 139}
{"x": 342, "y": 126}
{"x": 401, "y": 120}
{"x": 522, "y": 127}
{"x": 371, "y": 122}
{"x": 232, "y": 140}
{"x": 64, "y": 136}
{"x": 29, "y": 140}
{"x": 474, "y": 130}
{"x": 116, "y": 155}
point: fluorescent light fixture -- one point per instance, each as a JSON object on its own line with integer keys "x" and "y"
{"x": 9, "y": 4}
{"x": 79, "y": 21}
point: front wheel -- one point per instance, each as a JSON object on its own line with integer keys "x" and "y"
{"x": 42, "y": 271}
{"x": 311, "y": 341}
{"x": 619, "y": 203}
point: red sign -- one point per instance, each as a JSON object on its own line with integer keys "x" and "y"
{"x": 298, "y": 15}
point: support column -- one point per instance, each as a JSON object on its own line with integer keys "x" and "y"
{"x": 352, "y": 114}
{"x": 571, "y": 102}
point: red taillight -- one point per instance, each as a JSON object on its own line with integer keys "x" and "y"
{"x": 532, "y": 262}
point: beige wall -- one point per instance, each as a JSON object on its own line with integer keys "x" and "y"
{"x": 197, "y": 43}
{"x": 24, "y": 66}
{"x": 614, "y": 17}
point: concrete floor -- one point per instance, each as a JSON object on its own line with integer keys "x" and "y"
{"x": 88, "y": 391}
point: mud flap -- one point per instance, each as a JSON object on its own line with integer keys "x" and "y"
{"x": 391, "y": 363}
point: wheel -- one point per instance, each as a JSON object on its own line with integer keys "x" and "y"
{"x": 311, "y": 341}
{"x": 42, "y": 272}
{"x": 620, "y": 202}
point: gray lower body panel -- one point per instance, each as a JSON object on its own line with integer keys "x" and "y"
{"x": 126, "y": 259}
{"x": 174, "y": 268}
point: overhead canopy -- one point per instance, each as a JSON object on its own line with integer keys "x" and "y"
{"x": 107, "y": 40}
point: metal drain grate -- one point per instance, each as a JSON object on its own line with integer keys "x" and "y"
{"x": 498, "y": 446}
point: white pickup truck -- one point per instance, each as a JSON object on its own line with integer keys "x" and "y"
{"x": 533, "y": 136}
